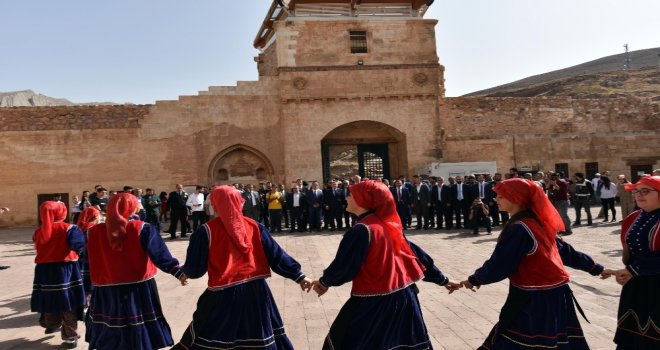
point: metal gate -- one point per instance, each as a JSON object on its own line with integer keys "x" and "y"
{"x": 373, "y": 161}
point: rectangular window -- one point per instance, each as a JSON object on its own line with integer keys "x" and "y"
{"x": 563, "y": 168}
{"x": 590, "y": 170}
{"x": 358, "y": 41}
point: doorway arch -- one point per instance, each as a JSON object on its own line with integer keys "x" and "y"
{"x": 366, "y": 148}
{"x": 240, "y": 164}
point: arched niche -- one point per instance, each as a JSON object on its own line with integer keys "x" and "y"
{"x": 240, "y": 164}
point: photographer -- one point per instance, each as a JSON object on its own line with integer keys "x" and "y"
{"x": 479, "y": 216}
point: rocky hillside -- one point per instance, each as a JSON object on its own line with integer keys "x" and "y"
{"x": 27, "y": 98}
{"x": 600, "y": 78}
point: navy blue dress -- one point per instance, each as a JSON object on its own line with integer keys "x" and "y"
{"x": 242, "y": 316}
{"x": 129, "y": 316}
{"x": 386, "y": 321}
{"x": 58, "y": 286}
{"x": 533, "y": 319}
{"x": 639, "y": 308}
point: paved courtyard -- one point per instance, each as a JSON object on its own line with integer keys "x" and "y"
{"x": 455, "y": 322}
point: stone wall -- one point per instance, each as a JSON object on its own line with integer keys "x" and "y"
{"x": 541, "y": 132}
{"x": 71, "y": 117}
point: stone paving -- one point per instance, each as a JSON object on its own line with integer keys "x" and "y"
{"x": 455, "y": 322}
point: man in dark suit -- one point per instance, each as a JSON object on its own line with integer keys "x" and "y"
{"x": 296, "y": 204}
{"x": 402, "y": 199}
{"x": 314, "y": 205}
{"x": 471, "y": 192}
{"x": 252, "y": 204}
{"x": 460, "y": 205}
{"x": 176, "y": 203}
{"x": 440, "y": 198}
{"x": 421, "y": 202}
{"x": 333, "y": 201}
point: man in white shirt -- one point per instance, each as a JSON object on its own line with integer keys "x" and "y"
{"x": 196, "y": 204}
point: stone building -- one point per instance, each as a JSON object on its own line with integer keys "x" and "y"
{"x": 344, "y": 87}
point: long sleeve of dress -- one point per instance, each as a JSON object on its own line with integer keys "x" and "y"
{"x": 432, "y": 273}
{"x": 281, "y": 262}
{"x": 577, "y": 260}
{"x": 158, "y": 252}
{"x": 352, "y": 251}
{"x": 506, "y": 257}
{"x": 197, "y": 257}
{"x": 75, "y": 239}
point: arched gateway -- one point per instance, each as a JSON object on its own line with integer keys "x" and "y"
{"x": 366, "y": 148}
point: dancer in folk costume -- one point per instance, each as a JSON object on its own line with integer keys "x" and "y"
{"x": 58, "y": 292}
{"x": 89, "y": 217}
{"x": 383, "y": 311}
{"x": 638, "y": 327}
{"x": 237, "y": 310}
{"x": 540, "y": 310}
{"x": 125, "y": 311}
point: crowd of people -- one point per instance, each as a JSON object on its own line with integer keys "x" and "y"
{"x": 107, "y": 261}
{"x": 433, "y": 202}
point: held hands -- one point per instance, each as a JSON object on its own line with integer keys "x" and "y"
{"x": 622, "y": 276}
{"x": 453, "y": 286}
{"x": 319, "y": 288}
{"x": 306, "y": 284}
{"x": 183, "y": 279}
{"x": 469, "y": 285}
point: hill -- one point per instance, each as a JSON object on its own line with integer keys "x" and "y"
{"x": 30, "y": 98}
{"x": 599, "y": 78}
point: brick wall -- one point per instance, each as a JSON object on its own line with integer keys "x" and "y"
{"x": 72, "y": 117}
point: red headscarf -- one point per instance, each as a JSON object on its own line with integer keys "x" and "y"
{"x": 228, "y": 205}
{"x": 49, "y": 213}
{"x": 88, "y": 218}
{"x": 120, "y": 207}
{"x": 651, "y": 181}
{"x": 530, "y": 195}
{"x": 374, "y": 195}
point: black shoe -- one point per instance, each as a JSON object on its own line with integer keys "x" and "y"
{"x": 613, "y": 220}
{"x": 489, "y": 233}
{"x": 475, "y": 232}
{"x": 52, "y": 330}
{"x": 606, "y": 220}
{"x": 70, "y": 344}
{"x": 590, "y": 224}
{"x": 576, "y": 224}
{"x": 566, "y": 233}
{"x": 458, "y": 227}
{"x": 4, "y": 267}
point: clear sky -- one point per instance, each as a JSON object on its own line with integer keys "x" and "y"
{"x": 141, "y": 51}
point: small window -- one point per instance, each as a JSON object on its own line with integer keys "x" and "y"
{"x": 358, "y": 42}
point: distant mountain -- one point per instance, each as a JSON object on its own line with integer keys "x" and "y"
{"x": 603, "y": 77}
{"x": 30, "y": 98}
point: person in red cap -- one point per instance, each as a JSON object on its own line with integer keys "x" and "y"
{"x": 540, "y": 311}
{"x": 237, "y": 310}
{"x": 638, "y": 326}
{"x": 383, "y": 311}
{"x": 58, "y": 292}
{"x": 89, "y": 217}
{"x": 125, "y": 311}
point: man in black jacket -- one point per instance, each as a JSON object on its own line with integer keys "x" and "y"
{"x": 176, "y": 203}
{"x": 296, "y": 204}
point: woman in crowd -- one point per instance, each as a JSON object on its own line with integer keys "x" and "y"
{"x": 125, "y": 311}
{"x": 539, "y": 312}
{"x": 639, "y": 309}
{"x": 58, "y": 292}
{"x": 383, "y": 311}
{"x": 89, "y": 217}
{"x": 163, "y": 206}
{"x": 608, "y": 192}
{"x": 237, "y": 310}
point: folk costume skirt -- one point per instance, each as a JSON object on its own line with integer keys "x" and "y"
{"x": 127, "y": 316}
{"x": 391, "y": 321}
{"x": 638, "y": 326}
{"x": 243, "y": 316}
{"x": 58, "y": 287}
{"x": 537, "y": 319}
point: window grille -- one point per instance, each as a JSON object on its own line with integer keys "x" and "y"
{"x": 373, "y": 166}
{"x": 358, "y": 41}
